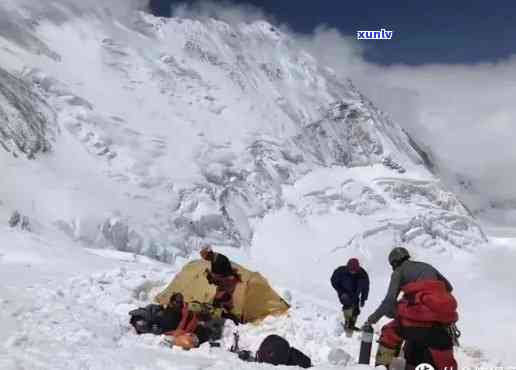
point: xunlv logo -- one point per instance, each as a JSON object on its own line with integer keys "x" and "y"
{"x": 382, "y": 34}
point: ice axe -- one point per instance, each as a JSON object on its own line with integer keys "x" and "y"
{"x": 235, "y": 348}
{"x": 366, "y": 344}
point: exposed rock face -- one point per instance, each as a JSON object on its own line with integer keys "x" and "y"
{"x": 27, "y": 123}
{"x": 17, "y": 220}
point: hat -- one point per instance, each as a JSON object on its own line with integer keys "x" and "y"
{"x": 221, "y": 265}
{"x": 206, "y": 253}
{"x": 353, "y": 265}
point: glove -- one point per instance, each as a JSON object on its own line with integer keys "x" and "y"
{"x": 370, "y": 321}
{"x": 217, "y": 312}
{"x": 245, "y": 356}
{"x": 367, "y": 326}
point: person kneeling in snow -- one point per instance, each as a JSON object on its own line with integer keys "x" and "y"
{"x": 187, "y": 325}
{"x": 352, "y": 285}
{"x": 224, "y": 277}
{"x": 424, "y": 318}
{"x": 276, "y": 350}
{"x": 195, "y": 325}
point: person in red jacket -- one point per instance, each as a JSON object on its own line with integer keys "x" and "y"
{"x": 185, "y": 334}
{"x": 424, "y": 318}
{"x": 193, "y": 323}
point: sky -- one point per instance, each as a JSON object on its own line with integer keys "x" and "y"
{"x": 458, "y": 31}
{"x": 448, "y": 77}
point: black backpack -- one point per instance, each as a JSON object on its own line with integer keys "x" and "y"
{"x": 146, "y": 319}
{"x": 276, "y": 350}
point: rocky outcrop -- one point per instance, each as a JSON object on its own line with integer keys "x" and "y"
{"x": 27, "y": 123}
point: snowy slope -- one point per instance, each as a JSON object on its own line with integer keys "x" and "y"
{"x": 65, "y": 307}
{"x": 150, "y": 136}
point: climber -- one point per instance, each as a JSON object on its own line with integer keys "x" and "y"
{"x": 424, "y": 317}
{"x": 352, "y": 285}
{"x": 185, "y": 325}
{"x": 192, "y": 322}
{"x": 224, "y": 277}
{"x": 158, "y": 319}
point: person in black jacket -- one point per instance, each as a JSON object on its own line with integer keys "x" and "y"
{"x": 224, "y": 276}
{"x": 276, "y": 350}
{"x": 352, "y": 285}
{"x": 157, "y": 319}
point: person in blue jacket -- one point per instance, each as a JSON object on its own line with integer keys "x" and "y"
{"x": 352, "y": 285}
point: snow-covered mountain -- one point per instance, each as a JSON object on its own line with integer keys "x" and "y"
{"x": 197, "y": 125}
{"x": 123, "y": 131}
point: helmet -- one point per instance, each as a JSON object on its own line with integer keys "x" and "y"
{"x": 397, "y": 256}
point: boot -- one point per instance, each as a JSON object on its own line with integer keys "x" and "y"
{"x": 443, "y": 359}
{"x": 385, "y": 355}
{"x": 352, "y": 323}
{"x": 348, "y": 317}
{"x": 398, "y": 363}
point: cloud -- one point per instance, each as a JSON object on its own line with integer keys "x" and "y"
{"x": 341, "y": 52}
{"x": 227, "y": 11}
{"x": 464, "y": 113}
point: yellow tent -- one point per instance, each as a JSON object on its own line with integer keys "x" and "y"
{"x": 253, "y": 299}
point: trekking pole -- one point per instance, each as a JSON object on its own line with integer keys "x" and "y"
{"x": 236, "y": 338}
{"x": 366, "y": 344}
